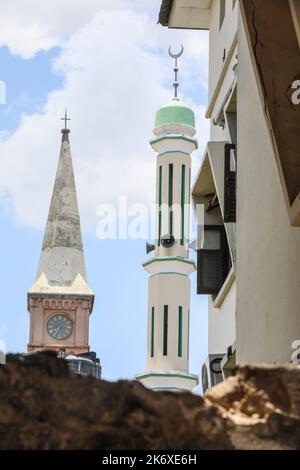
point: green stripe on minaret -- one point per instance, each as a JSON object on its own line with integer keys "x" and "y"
{"x": 159, "y": 204}
{"x": 152, "y": 332}
{"x": 171, "y": 198}
{"x": 180, "y": 332}
{"x": 182, "y": 202}
{"x": 165, "y": 331}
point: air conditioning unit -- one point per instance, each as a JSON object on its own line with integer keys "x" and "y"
{"x": 212, "y": 373}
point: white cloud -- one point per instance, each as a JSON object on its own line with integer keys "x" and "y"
{"x": 115, "y": 78}
{"x": 4, "y": 135}
{"x": 32, "y": 25}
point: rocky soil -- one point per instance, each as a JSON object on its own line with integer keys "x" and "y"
{"x": 43, "y": 407}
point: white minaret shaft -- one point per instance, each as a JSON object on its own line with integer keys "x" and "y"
{"x": 169, "y": 269}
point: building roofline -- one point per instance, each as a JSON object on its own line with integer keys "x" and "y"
{"x": 165, "y": 11}
{"x": 188, "y": 14}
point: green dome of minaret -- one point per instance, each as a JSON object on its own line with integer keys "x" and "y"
{"x": 175, "y": 112}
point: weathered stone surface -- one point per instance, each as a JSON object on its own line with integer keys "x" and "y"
{"x": 43, "y": 407}
{"x": 62, "y": 256}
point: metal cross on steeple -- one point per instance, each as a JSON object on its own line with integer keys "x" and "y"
{"x": 176, "y": 56}
{"x": 65, "y": 119}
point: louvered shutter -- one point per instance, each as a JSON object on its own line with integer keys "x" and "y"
{"x": 213, "y": 265}
{"x": 210, "y": 271}
{"x": 229, "y": 187}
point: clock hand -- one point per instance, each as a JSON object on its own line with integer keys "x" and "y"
{"x": 57, "y": 331}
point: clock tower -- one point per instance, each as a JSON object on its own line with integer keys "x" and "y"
{"x": 60, "y": 301}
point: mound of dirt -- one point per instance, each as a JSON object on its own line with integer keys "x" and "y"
{"x": 42, "y": 406}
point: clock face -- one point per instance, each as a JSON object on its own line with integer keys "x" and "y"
{"x": 59, "y": 326}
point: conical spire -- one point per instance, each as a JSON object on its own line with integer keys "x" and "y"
{"x": 62, "y": 257}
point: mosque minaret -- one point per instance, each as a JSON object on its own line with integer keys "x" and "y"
{"x": 169, "y": 269}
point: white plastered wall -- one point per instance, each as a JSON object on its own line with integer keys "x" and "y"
{"x": 221, "y": 323}
{"x": 220, "y": 39}
{"x": 268, "y": 248}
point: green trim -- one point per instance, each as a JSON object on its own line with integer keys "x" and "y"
{"x": 182, "y": 203}
{"x": 189, "y": 186}
{"x": 159, "y": 228}
{"x": 180, "y": 331}
{"x": 170, "y": 198}
{"x": 172, "y": 152}
{"x": 160, "y": 186}
{"x": 165, "y": 331}
{"x": 182, "y": 260}
{"x": 170, "y": 389}
{"x": 188, "y": 341}
{"x": 172, "y": 137}
{"x": 187, "y": 377}
{"x": 159, "y": 204}
{"x": 152, "y": 332}
{"x": 163, "y": 274}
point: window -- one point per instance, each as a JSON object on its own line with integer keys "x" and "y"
{"x": 152, "y": 332}
{"x": 180, "y": 331}
{"x": 222, "y": 12}
{"x": 86, "y": 368}
{"x": 214, "y": 261}
{"x": 230, "y": 184}
{"x": 165, "y": 332}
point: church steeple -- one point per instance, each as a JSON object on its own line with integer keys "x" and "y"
{"x": 62, "y": 257}
{"x": 60, "y": 300}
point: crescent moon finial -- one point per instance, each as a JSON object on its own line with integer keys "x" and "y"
{"x": 179, "y": 54}
{"x": 176, "y": 56}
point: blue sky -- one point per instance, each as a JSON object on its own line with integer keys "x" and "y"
{"x": 113, "y": 106}
{"x": 28, "y": 83}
